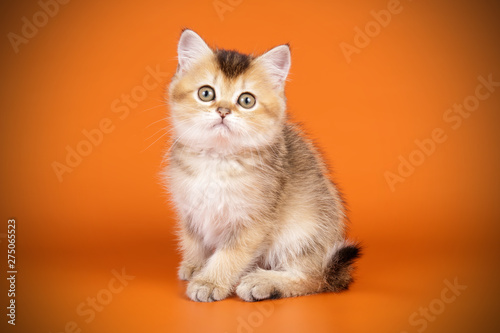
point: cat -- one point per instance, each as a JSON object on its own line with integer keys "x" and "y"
{"x": 257, "y": 213}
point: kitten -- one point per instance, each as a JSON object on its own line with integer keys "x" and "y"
{"x": 258, "y": 214}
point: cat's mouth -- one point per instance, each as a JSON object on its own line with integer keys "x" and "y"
{"x": 221, "y": 126}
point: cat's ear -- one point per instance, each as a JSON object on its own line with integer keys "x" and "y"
{"x": 190, "y": 49}
{"x": 277, "y": 63}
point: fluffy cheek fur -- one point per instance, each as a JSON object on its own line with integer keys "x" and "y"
{"x": 197, "y": 124}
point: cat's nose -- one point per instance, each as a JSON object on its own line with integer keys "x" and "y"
{"x": 223, "y": 111}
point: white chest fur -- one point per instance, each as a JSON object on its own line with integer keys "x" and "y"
{"x": 215, "y": 194}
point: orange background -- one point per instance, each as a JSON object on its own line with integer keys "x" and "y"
{"x": 111, "y": 212}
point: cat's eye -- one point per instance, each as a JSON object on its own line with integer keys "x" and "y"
{"x": 206, "y": 93}
{"x": 246, "y": 100}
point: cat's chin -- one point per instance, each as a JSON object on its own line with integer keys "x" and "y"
{"x": 221, "y": 128}
{"x": 222, "y": 133}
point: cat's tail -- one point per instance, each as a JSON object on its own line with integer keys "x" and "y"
{"x": 339, "y": 266}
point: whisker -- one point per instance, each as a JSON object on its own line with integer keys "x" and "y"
{"x": 162, "y": 119}
{"x": 154, "y": 141}
{"x": 154, "y": 107}
{"x": 161, "y": 129}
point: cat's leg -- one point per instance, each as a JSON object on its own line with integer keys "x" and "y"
{"x": 308, "y": 274}
{"x": 194, "y": 255}
{"x": 223, "y": 269}
{"x": 272, "y": 284}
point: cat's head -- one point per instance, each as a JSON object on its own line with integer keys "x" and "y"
{"x": 225, "y": 100}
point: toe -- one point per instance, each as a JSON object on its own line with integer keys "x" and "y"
{"x": 203, "y": 291}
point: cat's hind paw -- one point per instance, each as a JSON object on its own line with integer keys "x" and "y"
{"x": 256, "y": 287}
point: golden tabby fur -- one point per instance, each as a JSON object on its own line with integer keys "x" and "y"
{"x": 258, "y": 214}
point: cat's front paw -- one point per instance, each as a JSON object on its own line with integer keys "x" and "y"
{"x": 187, "y": 271}
{"x": 204, "y": 291}
{"x": 258, "y": 286}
